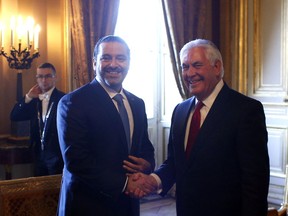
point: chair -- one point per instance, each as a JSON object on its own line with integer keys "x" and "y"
{"x": 284, "y": 206}
{"x": 274, "y": 212}
{"x": 34, "y": 196}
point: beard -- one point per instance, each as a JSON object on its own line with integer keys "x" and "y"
{"x": 113, "y": 76}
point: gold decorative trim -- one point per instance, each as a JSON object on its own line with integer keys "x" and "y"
{"x": 241, "y": 45}
{"x": 256, "y": 46}
{"x": 67, "y": 82}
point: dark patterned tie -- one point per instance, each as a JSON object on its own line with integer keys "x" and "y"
{"x": 194, "y": 128}
{"x": 124, "y": 116}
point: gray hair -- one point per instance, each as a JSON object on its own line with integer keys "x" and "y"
{"x": 211, "y": 51}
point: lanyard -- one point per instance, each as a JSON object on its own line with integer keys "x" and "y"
{"x": 42, "y": 133}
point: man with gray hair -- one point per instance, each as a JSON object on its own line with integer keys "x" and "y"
{"x": 217, "y": 149}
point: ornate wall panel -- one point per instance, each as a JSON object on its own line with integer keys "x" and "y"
{"x": 267, "y": 80}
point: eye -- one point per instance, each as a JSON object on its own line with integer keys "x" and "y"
{"x": 105, "y": 58}
{"x": 47, "y": 76}
{"x": 121, "y": 58}
{"x": 197, "y": 65}
{"x": 185, "y": 67}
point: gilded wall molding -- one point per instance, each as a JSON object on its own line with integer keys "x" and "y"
{"x": 261, "y": 84}
{"x": 241, "y": 46}
{"x": 256, "y": 46}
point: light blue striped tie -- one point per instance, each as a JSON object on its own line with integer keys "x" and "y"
{"x": 124, "y": 116}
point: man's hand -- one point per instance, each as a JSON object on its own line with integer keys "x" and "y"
{"x": 137, "y": 165}
{"x": 140, "y": 185}
{"x": 34, "y": 91}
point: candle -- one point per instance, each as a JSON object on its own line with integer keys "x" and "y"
{"x": 1, "y": 31}
{"x": 20, "y": 29}
{"x": 36, "y": 37}
{"x": 12, "y": 26}
{"x": 2, "y": 38}
{"x": 12, "y": 38}
{"x": 28, "y": 39}
{"x": 30, "y": 25}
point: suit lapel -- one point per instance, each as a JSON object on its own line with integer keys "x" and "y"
{"x": 179, "y": 127}
{"x": 39, "y": 114}
{"x": 133, "y": 107}
{"x": 100, "y": 96}
{"x": 213, "y": 119}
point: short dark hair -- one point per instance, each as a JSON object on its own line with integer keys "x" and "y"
{"x": 48, "y": 65}
{"x": 109, "y": 38}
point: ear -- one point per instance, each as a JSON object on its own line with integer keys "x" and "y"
{"x": 55, "y": 78}
{"x": 218, "y": 67}
{"x": 94, "y": 64}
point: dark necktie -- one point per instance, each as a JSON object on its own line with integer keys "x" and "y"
{"x": 124, "y": 116}
{"x": 194, "y": 128}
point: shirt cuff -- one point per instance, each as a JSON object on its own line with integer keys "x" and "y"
{"x": 28, "y": 99}
{"x": 159, "y": 182}
{"x": 125, "y": 185}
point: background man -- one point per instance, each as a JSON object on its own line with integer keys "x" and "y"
{"x": 40, "y": 107}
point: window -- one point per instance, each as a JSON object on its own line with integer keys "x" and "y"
{"x": 141, "y": 25}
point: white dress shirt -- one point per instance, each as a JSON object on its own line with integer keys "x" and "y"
{"x": 208, "y": 102}
{"x": 45, "y": 98}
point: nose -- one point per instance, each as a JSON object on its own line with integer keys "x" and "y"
{"x": 113, "y": 62}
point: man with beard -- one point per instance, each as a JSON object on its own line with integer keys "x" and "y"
{"x": 99, "y": 151}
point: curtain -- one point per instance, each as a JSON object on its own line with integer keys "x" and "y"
{"x": 90, "y": 20}
{"x": 185, "y": 20}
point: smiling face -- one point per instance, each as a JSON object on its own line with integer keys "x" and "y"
{"x": 112, "y": 64}
{"x": 199, "y": 73}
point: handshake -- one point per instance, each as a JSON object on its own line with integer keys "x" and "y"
{"x": 140, "y": 185}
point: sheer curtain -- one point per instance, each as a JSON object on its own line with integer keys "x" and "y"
{"x": 185, "y": 21}
{"x": 90, "y": 20}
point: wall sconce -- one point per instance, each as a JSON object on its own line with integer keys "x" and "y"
{"x": 26, "y": 36}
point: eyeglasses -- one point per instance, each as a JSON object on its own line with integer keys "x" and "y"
{"x": 47, "y": 76}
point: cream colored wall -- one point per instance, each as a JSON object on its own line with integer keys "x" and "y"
{"x": 50, "y": 15}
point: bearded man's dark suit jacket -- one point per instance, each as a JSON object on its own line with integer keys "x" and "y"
{"x": 94, "y": 146}
{"x": 51, "y": 154}
{"x": 228, "y": 169}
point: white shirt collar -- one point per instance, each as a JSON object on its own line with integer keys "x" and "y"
{"x": 111, "y": 92}
{"x": 46, "y": 95}
{"x": 211, "y": 98}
